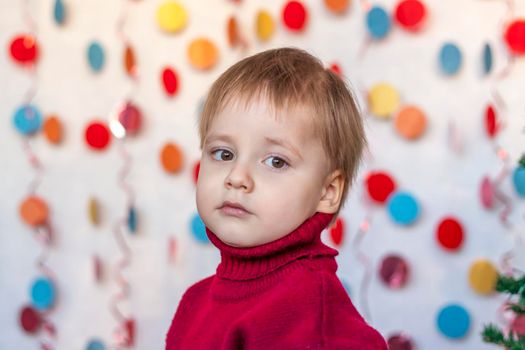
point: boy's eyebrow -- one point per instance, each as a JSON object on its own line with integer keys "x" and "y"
{"x": 212, "y": 137}
{"x": 270, "y": 140}
{"x": 283, "y": 143}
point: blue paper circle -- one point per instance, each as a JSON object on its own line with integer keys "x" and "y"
{"x": 95, "y": 344}
{"x": 132, "y": 220}
{"x": 453, "y": 321}
{"x": 403, "y": 208}
{"x": 199, "y": 229}
{"x": 96, "y": 56}
{"x": 518, "y": 179}
{"x": 450, "y": 58}
{"x": 27, "y": 119}
{"x": 59, "y": 12}
{"x": 487, "y": 58}
{"x": 42, "y": 293}
{"x": 378, "y": 22}
{"x": 346, "y": 287}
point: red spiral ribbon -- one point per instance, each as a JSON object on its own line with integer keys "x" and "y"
{"x": 42, "y": 233}
{"x": 124, "y": 332}
{"x": 367, "y": 266}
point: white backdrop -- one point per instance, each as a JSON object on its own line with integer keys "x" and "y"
{"x": 444, "y": 182}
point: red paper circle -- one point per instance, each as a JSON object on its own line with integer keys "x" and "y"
{"x": 294, "y": 15}
{"x": 410, "y": 14}
{"x": 380, "y": 185}
{"x": 97, "y": 135}
{"x": 515, "y": 36}
{"x": 30, "y": 319}
{"x": 491, "y": 122}
{"x": 400, "y": 341}
{"x": 170, "y": 81}
{"x": 450, "y": 233}
{"x": 196, "y": 169}
{"x": 24, "y": 49}
{"x": 394, "y": 271}
{"x": 334, "y": 67}
{"x": 130, "y": 117}
{"x": 337, "y": 232}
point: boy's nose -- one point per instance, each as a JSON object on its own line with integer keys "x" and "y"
{"x": 239, "y": 177}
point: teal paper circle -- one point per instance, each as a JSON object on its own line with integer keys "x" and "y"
{"x": 95, "y": 344}
{"x": 198, "y": 229}
{"x": 96, "y": 56}
{"x": 27, "y": 119}
{"x": 42, "y": 293}
{"x": 378, "y": 22}
{"x": 450, "y": 58}
{"x": 518, "y": 179}
{"x": 403, "y": 208}
{"x": 453, "y": 321}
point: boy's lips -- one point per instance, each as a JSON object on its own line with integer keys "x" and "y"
{"x": 234, "y": 209}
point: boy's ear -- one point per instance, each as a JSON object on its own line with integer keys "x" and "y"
{"x": 331, "y": 193}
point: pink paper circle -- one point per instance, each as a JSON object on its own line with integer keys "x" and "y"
{"x": 394, "y": 271}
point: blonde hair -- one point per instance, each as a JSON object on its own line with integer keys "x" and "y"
{"x": 290, "y": 77}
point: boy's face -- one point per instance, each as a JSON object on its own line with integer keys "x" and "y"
{"x": 279, "y": 185}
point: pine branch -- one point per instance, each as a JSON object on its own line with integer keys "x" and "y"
{"x": 492, "y": 334}
{"x": 510, "y": 285}
{"x": 515, "y": 287}
{"x": 522, "y": 160}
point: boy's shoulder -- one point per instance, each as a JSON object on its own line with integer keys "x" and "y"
{"x": 198, "y": 288}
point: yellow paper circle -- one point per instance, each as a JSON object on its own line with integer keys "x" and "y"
{"x": 383, "y": 99}
{"x": 202, "y": 53}
{"x": 265, "y": 25}
{"x": 483, "y": 277}
{"x": 410, "y": 122}
{"x": 171, "y": 16}
{"x": 93, "y": 211}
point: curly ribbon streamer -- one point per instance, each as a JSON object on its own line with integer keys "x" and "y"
{"x": 123, "y": 334}
{"x": 365, "y": 6}
{"x": 43, "y": 233}
{"x": 367, "y": 266}
{"x": 44, "y": 236}
{"x": 454, "y": 138}
{"x": 364, "y": 259}
{"x": 506, "y": 257}
{"x": 125, "y": 329}
{"x": 240, "y": 39}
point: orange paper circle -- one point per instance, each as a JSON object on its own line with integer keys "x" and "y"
{"x": 337, "y": 6}
{"x": 171, "y": 158}
{"x": 34, "y": 211}
{"x": 233, "y": 32}
{"x": 410, "y": 122}
{"x": 202, "y": 53}
{"x": 53, "y": 129}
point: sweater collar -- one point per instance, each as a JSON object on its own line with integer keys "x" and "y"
{"x": 253, "y": 262}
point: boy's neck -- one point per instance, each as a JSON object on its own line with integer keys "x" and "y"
{"x": 253, "y": 262}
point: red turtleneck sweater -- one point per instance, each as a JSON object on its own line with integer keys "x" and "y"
{"x": 279, "y": 295}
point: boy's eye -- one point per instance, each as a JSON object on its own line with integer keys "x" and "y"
{"x": 277, "y": 162}
{"x": 222, "y": 154}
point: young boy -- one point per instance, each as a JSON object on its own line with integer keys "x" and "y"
{"x": 281, "y": 140}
